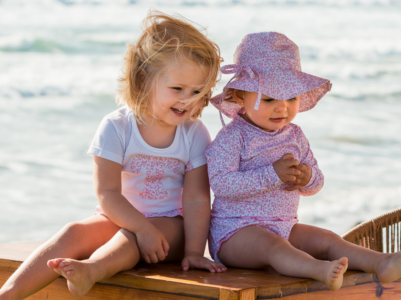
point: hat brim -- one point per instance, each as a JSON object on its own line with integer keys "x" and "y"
{"x": 282, "y": 84}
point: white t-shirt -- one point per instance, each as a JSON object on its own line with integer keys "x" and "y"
{"x": 152, "y": 178}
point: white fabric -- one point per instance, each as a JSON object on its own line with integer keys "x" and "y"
{"x": 152, "y": 178}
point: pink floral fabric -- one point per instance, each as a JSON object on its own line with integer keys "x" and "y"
{"x": 269, "y": 63}
{"x": 189, "y": 167}
{"x": 245, "y": 185}
{"x": 170, "y": 214}
{"x": 154, "y": 167}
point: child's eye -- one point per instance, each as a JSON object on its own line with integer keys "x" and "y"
{"x": 196, "y": 92}
{"x": 268, "y": 100}
{"x": 292, "y": 99}
{"x": 176, "y": 88}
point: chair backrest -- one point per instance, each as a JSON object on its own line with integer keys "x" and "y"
{"x": 380, "y": 234}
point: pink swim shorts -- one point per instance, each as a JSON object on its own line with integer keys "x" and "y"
{"x": 221, "y": 229}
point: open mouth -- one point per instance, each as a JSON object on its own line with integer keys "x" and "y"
{"x": 178, "y": 112}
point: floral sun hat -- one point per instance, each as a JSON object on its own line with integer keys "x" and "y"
{"x": 269, "y": 63}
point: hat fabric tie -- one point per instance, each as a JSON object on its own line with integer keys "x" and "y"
{"x": 238, "y": 69}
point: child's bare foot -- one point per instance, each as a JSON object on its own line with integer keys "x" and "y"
{"x": 389, "y": 268}
{"x": 335, "y": 272}
{"x": 78, "y": 274}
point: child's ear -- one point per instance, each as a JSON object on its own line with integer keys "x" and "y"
{"x": 239, "y": 97}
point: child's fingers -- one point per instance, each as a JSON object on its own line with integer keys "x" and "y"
{"x": 147, "y": 259}
{"x": 153, "y": 258}
{"x": 206, "y": 264}
{"x": 290, "y": 178}
{"x": 185, "y": 264}
{"x": 288, "y": 156}
{"x": 210, "y": 268}
{"x": 294, "y": 171}
{"x": 291, "y": 163}
{"x": 161, "y": 255}
{"x": 166, "y": 246}
{"x": 219, "y": 267}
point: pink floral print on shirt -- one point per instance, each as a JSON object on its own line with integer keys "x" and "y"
{"x": 155, "y": 167}
{"x": 246, "y": 187}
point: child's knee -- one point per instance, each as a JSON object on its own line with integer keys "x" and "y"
{"x": 273, "y": 244}
{"x": 329, "y": 236}
{"x": 73, "y": 230}
{"x": 327, "y": 239}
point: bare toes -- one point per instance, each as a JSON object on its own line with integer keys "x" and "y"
{"x": 67, "y": 268}
{"x": 53, "y": 263}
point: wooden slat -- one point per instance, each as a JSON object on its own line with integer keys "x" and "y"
{"x": 58, "y": 291}
{"x": 351, "y": 278}
{"x": 248, "y": 294}
{"x": 369, "y": 291}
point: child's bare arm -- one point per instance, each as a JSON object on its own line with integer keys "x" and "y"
{"x": 107, "y": 181}
{"x": 196, "y": 207}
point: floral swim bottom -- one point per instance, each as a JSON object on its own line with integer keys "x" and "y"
{"x": 221, "y": 229}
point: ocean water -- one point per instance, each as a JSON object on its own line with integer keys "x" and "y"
{"x": 59, "y": 64}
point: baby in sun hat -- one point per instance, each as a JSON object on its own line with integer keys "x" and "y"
{"x": 261, "y": 163}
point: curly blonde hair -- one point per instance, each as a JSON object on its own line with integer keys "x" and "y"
{"x": 165, "y": 38}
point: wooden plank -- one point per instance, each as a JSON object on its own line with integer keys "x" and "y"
{"x": 12, "y": 255}
{"x": 273, "y": 291}
{"x": 248, "y": 294}
{"x": 58, "y": 290}
{"x": 368, "y": 291}
{"x": 232, "y": 279}
{"x": 160, "y": 285}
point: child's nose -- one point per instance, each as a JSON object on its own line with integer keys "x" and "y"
{"x": 185, "y": 96}
{"x": 281, "y": 106}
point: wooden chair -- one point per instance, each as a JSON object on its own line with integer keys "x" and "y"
{"x": 380, "y": 234}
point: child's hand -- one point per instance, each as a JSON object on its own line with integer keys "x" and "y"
{"x": 152, "y": 244}
{"x": 286, "y": 168}
{"x": 302, "y": 179}
{"x": 198, "y": 261}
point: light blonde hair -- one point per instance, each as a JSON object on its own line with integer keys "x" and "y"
{"x": 165, "y": 38}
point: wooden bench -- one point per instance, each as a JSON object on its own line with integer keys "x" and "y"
{"x": 168, "y": 282}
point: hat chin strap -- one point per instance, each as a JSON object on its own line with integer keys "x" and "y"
{"x": 237, "y": 70}
{"x": 257, "y": 103}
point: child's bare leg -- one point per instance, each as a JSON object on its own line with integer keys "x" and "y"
{"x": 255, "y": 247}
{"x": 119, "y": 254}
{"x": 77, "y": 240}
{"x": 324, "y": 244}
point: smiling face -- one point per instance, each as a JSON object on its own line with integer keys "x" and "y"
{"x": 172, "y": 91}
{"x": 271, "y": 115}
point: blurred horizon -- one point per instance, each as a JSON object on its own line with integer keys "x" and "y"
{"x": 59, "y": 65}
